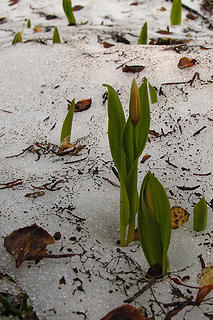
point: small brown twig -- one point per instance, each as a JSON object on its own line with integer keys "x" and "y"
{"x": 11, "y": 184}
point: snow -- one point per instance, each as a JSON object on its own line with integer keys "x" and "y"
{"x": 36, "y": 80}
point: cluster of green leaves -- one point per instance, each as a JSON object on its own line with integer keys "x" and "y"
{"x": 127, "y": 141}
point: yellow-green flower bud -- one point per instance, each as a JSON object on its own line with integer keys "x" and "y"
{"x": 134, "y": 104}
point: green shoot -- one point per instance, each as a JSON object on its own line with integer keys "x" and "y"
{"x": 127, "y": 140}
{"x": 56, "y": 36}
{"x": 67, "y": 6}
{"x": 176, "y": 12}
{"x": 143, "y": 35}
{"x": 28, "y": 24}
{"x": 17, "y": 38}
{"x": 200, "y": 215}
{"x": 67, "y": 125}
{"x": 154, "y": 222}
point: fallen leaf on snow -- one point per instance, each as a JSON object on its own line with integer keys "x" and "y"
{"x": 35, "y": 195}
{"x": 132, "y": 69}
{"x": 65, "y": 144}
{"x": 179, "y": 216}
{"x": 83, "y": 105}
{"x": 77, "y": 8}
{"x": 28, "y": 243}
{"x": 37, "y": 29}
{"x": 205, "y": 280}
{"x": 145, "y": 157}
{"x": 125, "y": 312}
{"x": 186, "y": 63}
{"x": 107, "y": 44}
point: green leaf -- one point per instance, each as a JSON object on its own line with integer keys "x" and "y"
{"x": 67, "y": 6}
{"x": 67, "y": 124}
{"x": 56, "y": 37}
{"x": 28, "y": 24}
{"x": 142, "y": 127}
{"x": 116, "y": 124}
{"x": 143, "y": 35}
{"x": 176, "y": 12}
{"x": 17, "y": 38}
{"x": 154, "y": 222}
{"x": 153, "y": 94}
{"x": 200, "y": 212}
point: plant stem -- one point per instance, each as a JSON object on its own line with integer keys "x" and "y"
{"x": 134, "y": 195}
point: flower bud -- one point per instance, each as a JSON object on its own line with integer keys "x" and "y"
{"x": 134, "y": 103}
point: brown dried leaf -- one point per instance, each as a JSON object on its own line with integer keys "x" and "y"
{"x": 107, "y": 44}
{"x": 125, "y": 312}
{"x": 179, "y": 216}
{"x": 132, "y": 69}
{"x": 77, "y": 8}
{"x": 186, "y": 63}
{"x": 162, "y": 9}
{"x": 2, "y": 20}
{"x": 27, "y": 243}
{"x": 145, "y": 157}
{"x": 65, "y": 144}
{"x": 13, "y": 2}
{"x": 35, "y": 195}
{"x": 164, "y": 31}
{"x": 191, "y": 16}
{"x": 83, "y": 105}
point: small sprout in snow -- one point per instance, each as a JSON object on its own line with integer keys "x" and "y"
{"x": 143, "y": 35}
{"x": 176, "y": 12}
{"x": 28, "y": 24}
{"x": 18, "y": 37}
{"x": 200, "y": 215}
{"x": 56, "y": 37}
{"x": 67, "y": 6}
{"x": 66, "y": 129}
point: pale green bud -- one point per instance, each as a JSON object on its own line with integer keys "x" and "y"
{"x": 134, "y": 103}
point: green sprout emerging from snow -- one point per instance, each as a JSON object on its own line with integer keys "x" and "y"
{"x": 17, "y": 38}
{"x": 200, "y": 215}
{"x": 56, "y": 36}
{"x": 127, "y": 140}
{"x": 143, "y": 35}
{"x": 154, "y": 222}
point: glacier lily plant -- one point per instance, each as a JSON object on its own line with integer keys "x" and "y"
{"x": 127, "y": 140}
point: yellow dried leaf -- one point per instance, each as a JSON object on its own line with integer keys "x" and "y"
{"x": 205, "y": 278}
{"x": 37, "y": 29}
{"x": 179, "y": 216}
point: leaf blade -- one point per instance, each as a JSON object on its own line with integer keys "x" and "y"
{"x": 67, "y": 124}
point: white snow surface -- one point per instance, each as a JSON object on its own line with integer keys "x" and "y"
{"x": 36, "y": 81}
